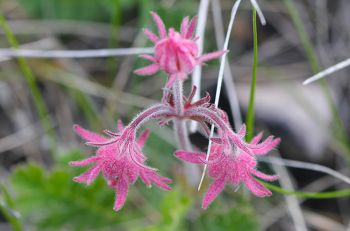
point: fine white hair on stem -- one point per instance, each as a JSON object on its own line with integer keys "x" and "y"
{"x": 306, "y": 165}
{"x": 260, "y": 13}
{"x": 92, "y": 53}
{"x": 228, "y": 76}
{"x": 220, "y": 78}
{"x": 196, "y": 76}
{"x": 328, "y": 71}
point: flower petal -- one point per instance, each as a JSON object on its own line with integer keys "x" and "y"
{"x": 256, "y": 188}
{"x": 209, "y": 56}
{"x": 214, "y": 190}
{"x": 256, "y": 138}
{"x": 84, "y": 162}
{"x": 151, "y": 36}
{"x": 148, "y": 70}
{"x": 88, "y": 135}
{"x": 191, "y": 27}
{"x": 191, "y": 157}
{"x": 242, "y": 131}
{"x": 122, "y": 191}
{"x": 263, "y": 175}
{"x": 143, "y": 137}
{"x": 89, "y": 176}
{"x": 160, "y": 25}
{"x": 184, "y": 26}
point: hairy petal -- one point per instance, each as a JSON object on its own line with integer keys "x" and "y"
{"x": 263, "y": 175}
{"x": 84, "y": 162}
{"x": 191, "y": 157}
{"x": 184, "y": 26}
{"x": 148, "y": 70}
{"x": 151, "y": 36}
{"x": 242, "y": 131}
{"x": 256, "y": 188}
{"x": 209, "y": 56}
{"x": 89, "y": 176}
{"x": 160, "y": 25}
{"x": 88, "y": 135}
{"x": 266, "y": 147}
{"x": 143, "y": 137}
{"x": 214, "y": 190}
{"x": 122, "y": 191}
{"x": 257, "y": 138}
{"x": 148, "y": 57}
{"x": 191, "y": 27}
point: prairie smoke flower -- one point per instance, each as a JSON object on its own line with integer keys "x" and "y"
{"x": 176, "y": 53}
{"x": 120, "y": 160}
{"x": 233, "y": 166}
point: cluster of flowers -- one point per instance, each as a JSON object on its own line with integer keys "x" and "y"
{"x": 119, "y": 154}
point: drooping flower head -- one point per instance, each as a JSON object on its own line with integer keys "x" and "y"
{"x": 120, "y": 159}
{"x": 175, "y": 53}
{"x": 234, "y": 166}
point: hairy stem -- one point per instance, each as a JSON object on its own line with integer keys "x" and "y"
{"x": 180, "y": 128}
{"x": 181, "y": 131}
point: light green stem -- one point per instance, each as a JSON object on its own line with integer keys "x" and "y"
{"x": 250, "y": 113}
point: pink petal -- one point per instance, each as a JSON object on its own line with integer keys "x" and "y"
{"x": 184, "y": 26}
{"x": 84, "y": 162}
{"x": 151, "y": 36}
{"x": 191, "y": 157}
{"x": 216, "y": 140}
{"x": 148, "y": 70}
{"x": 266, "y": 147}
{"x": 209, "y": 56}
{"x": 191, "y": 27}
{"x": 143, "y": 137}
{"x": 122, "y": 191}
{"x": 256, "y": 138}
{"x": 87, "y": 135}
{"x": 89, "y": 176}
{"x": 144, "y": 178}
{"x": 242, "y": 131}
{"x": 161, "y": 182}
{"x": 160, "y": 25}
{"x": 214, "y": 190}
{"x": 120, "y": 125}
{"x": 148, "y": 57}
{"x": 263, "y": 175}
{"x": 256, "y": 188}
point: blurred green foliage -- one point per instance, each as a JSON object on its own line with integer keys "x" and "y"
{"x": 50, "y": 200}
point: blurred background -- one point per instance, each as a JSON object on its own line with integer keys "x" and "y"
{"x": 41, "y": 98}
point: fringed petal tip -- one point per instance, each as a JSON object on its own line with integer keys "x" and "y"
{"x": 209, "y": 56}
{"x": 191, "y": 157}
{"x": 148, "y": 70}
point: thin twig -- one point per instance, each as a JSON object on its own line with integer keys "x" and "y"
{"x": 90, "y": 53}
{"x": 197, "y": 73}
{"x": 328, "y": 71}
{"x": 220, "y": 78}
{"x": 306, "y": 165}
{"x": 292, "y": 201}
{"x": 228, "y": 76}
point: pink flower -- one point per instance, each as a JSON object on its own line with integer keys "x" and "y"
{"x": 120, "y": 160}
{"x": 176, "y": 53}
{"x": 233, "y": 167}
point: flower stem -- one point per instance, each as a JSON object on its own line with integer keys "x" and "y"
{"x": 181, "y": 131}
{"x": 250, "y": 114}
